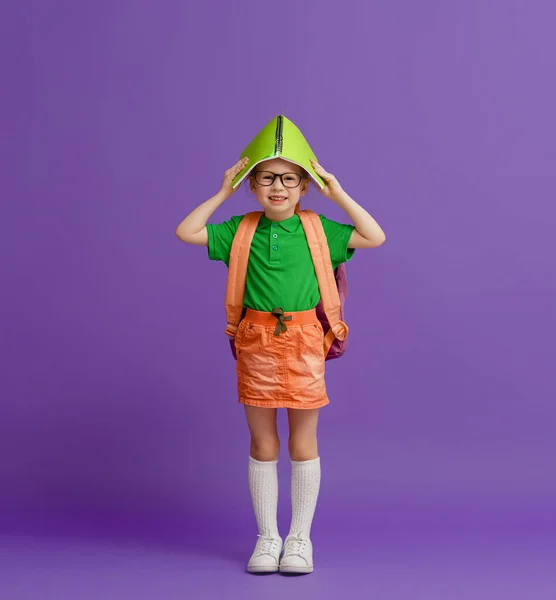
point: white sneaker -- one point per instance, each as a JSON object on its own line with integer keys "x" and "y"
{"x": 266, "y": 556}
{"x": 297, "y": 555}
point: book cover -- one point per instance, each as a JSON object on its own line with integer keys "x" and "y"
{"x": 280, "y": 138}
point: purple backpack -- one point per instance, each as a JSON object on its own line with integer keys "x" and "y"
{"x": 338, "y": 347}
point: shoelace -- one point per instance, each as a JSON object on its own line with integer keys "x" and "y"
{"x": 295, "y": 544}
{"x": 265, "y": 545}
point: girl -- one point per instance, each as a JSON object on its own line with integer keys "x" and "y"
{"x": 281, "y": 274}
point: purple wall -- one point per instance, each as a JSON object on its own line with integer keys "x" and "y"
{"x": 118, "y": 390}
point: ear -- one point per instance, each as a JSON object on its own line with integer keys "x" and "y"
{"x": 252, "y": 183}
{"x": 305, "y": 186}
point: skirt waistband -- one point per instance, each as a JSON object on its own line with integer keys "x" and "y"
{"x": 301, "y": 317}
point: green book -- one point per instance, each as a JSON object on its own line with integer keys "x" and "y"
{"x": 279, "y": 139}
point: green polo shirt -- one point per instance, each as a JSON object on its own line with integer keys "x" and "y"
{"x": 280, "y": 271}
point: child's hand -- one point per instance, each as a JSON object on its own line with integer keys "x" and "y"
{"x": 230, "y": 174}
{"x": 332, "y": 186}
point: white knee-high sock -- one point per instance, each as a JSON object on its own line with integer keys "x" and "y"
{"x": 305, "y": 491}
{"x": 263, "y": 487}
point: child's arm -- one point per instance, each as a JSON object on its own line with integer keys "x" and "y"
{"x": 192, "y": 230}
{"x": 367, "y": 232}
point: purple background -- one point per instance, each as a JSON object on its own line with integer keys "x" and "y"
{"x": 123, "y": 450}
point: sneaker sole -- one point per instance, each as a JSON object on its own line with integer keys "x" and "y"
{"x": 262, "y": 569}
{"x": 286, "y": 569}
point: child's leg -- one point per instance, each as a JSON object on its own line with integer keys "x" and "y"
{"x": 265, "y": 443}
{"x": 305, "y": 461}
{"x": 302, "y": 442}
{"x": 263, "y": 487}
{"x": 263, "y": 472}
{"x": 305, "y": 483}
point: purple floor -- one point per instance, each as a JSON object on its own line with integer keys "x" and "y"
{"x": 388, "y": 563}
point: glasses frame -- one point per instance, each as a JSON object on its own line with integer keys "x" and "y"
{"x": 281, "y": 175}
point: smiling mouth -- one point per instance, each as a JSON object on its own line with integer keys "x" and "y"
{"x": 277, "y": 198}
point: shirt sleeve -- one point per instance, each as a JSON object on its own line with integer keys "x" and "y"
{"x": 220, "y": 238}
{"x": 338, "y": 235}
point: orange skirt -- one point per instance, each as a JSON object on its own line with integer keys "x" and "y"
{"x": 281, "y": 371}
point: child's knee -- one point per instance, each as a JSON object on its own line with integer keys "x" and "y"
{"x": 303, "y": 449}
{"x": 265, "y": 449}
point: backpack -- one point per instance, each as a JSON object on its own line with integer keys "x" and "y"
{"x": 332, "y": 283}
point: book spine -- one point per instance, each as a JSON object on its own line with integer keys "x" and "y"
{"x": 279, "y": 137}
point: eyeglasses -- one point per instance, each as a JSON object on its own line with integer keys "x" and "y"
{"x": 289, "y": 180}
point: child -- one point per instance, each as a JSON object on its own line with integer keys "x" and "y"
{"x": 281, "y": 274}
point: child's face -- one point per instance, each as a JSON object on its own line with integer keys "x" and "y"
{"x": 278, "y": 209}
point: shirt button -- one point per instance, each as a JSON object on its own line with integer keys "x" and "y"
{"x": 274, "y": 225}
{"x": 275, "y": 247}
{"x": 274, "y": 235}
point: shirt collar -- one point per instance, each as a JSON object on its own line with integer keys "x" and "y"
{"x": 290, "y": 225}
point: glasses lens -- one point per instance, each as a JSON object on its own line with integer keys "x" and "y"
{"x": 264, "y": 177}
{"x": 291, "y": 179}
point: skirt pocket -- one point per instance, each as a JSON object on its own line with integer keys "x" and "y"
{"x": 306, "y": 363}
{"x": 248, "y": 338}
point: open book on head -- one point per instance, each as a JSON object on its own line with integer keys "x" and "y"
{"x": 280, "y": 138}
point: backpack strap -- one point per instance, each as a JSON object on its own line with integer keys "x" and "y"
{"x": 237, "y": 270}
{"x": 320, "y": 252}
